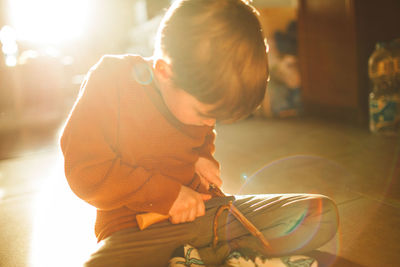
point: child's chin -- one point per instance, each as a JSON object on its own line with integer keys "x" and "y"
{"x": 191, "y": 123}
{"x": 194, "y": 124}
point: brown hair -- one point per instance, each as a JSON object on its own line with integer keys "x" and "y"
{"x": 217, "y": 53}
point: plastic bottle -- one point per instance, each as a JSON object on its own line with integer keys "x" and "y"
{"x": 384, "y": 98}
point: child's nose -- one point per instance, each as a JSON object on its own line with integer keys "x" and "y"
{"x": 209, "y": 122}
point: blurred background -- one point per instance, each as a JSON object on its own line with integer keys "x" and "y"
{"x": 312, "y": 126}
{"x": 318, "y": 54}
{"x": 47, "y": 48}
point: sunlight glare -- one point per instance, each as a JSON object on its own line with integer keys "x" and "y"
{"x": 9, "y": 48}
{"x": 11, "y": 61}
{"x": 63, "y": 229}
{"x": 7, "y": 35}
{"x": 49, "y": 21}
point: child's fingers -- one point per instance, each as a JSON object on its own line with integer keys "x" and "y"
{"x": 204, "y": 182}
{"x": 212, "y": 178}
{"x": 201, "y": 209}
{"x": 208, "y": 178}
{"x": 192, "y": 215}
{"x": 216, "y": 180}
{"x": 205, "y": 197}
{"x": 188, "y": 205}
{"x": 177, "y": 218}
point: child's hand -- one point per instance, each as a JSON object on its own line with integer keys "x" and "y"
{"x": 188, "y": 206}
{"x": 208, "y": 172}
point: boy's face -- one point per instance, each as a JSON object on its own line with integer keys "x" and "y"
{"x": 186, "y": 108}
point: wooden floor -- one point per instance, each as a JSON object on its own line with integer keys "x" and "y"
{"x": 43, "y": 224}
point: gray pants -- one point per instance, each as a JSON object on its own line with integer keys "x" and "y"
{"x": 292, "y": 224}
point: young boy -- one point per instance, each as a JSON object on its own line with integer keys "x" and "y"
{"x": 140, "y": 139}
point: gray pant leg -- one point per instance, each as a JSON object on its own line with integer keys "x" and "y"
{"x": 151, "y": 247}
{"x": 292, "y": 223}
{"x": 132, "y": 247}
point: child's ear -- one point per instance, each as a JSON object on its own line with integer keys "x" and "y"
{"x": 163, "y": 69}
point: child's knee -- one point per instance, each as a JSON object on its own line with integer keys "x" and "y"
{"x": 328, "y": 212}
{"x": 332, "y": 211}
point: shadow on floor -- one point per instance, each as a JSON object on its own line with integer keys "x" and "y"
{"x": 326, "y": 259}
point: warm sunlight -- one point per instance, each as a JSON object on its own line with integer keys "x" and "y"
{"x": 63, "y": 225}
{"x": 49, "y": 21}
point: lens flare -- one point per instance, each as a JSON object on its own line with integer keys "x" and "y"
{"x": 259, "y": 173}
{"x": 142, "y": 73}
{"x": 311, "y": 215}
{"x": 296, "y": 223}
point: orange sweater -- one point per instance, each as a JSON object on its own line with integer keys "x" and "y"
{"x": 124, "y": 152}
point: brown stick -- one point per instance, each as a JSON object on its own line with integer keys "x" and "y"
{"x": 250, "y": 227}
{"x": 216, "y": 216}
{"x": 243, "y": 220}
{"x": 144, "y": 220}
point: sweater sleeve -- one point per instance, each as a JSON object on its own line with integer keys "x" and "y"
{"x": 93, "y": 166}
